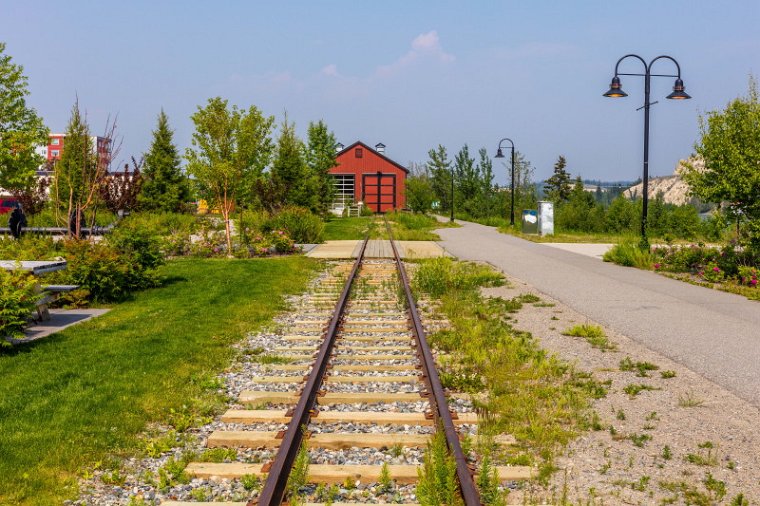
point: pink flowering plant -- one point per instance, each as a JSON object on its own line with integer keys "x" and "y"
{"x": 748, "y": 276}
{"x": 713, "y": 273}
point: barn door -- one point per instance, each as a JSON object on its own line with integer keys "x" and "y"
{"x": 379, "y": 191}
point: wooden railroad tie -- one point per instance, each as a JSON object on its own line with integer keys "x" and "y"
{"x": 325, "y": 473}
{"x": 379, "y": 418}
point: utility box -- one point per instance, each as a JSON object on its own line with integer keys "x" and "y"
{"x": 529, "y": 221}
{"x": 545, "y": 217}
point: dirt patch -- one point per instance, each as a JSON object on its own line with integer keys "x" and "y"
{"x": 681, "y": 439}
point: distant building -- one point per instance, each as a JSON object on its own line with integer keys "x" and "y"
{"x": 56, "y": 142}
{"x": 366, "y": 175}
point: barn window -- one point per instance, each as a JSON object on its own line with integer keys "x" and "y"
{"x": 358, "y": 152}
{"x": 344, "y": 189}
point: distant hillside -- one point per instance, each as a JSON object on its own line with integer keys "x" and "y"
{"x": 673, "y": 189}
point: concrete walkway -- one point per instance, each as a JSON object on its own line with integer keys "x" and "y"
{"x": 59, "y": 320}
{"x": 714, "y": 333}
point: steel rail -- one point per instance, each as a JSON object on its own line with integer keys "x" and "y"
{"x": 275, "y": 485}
{"x": 435, "y": 392}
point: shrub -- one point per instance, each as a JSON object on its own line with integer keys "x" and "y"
{"x": 281, "y": 242}
{"x": 139, "y": 243}
{"x": 300, "y": 224}
{"x": 630, "y": 254}
{"x": 18, "y": 298}
{"x": 107, "y": 274}
{"x": 442, "y": 275}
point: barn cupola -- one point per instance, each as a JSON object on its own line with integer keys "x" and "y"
{"x": 339, "y": 147}
{"x": 380, "y": 147}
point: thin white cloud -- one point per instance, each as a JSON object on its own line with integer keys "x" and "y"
{"x": 329, "y": 70}
{"x": 426, "y": 46}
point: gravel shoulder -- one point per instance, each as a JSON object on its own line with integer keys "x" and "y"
{"x": 712, "y": 436}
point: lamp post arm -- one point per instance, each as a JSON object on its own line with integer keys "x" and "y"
{"x": 665, "y": 57}
{"x": 507, "y": 139}
{"x": 643, "y": 62}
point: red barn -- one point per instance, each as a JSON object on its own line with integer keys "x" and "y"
{"x": 364, "y": 174}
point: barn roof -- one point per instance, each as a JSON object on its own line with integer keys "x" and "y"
{"x": 381, "y": 155}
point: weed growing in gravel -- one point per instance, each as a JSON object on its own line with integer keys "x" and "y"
{"x": 717, "y": 487}
{"x": 441, "y": 275}
{"x": 666, "y": 453}
{"x": 640, "y": 440}
{"x": 218, "y": 455}
{"x": 620, "y": 415}
{"x": 523, "y": 381}
{"x": 201, "y": 494}
{"x": 385, "y": 481}
{"x": 173, "y": 471}
{"x": 739, "y": 500}
{"x": 488, "y": 484}
{"x": 270, "y": 359}
{"x": 667, "y": 374}
{"x": 251, "y": 482}
{"x": 641, "y": 368}
{"x": 397, "y": 450}
{"x": 690, "y": 401}
{"x": 437, "y": 481}
{"x": 544, "y": 304}
{"x": 593, "y": 334}
{"x": 299, "y": 474}
{"x": 635, "y": 389}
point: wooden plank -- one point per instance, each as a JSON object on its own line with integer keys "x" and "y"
{"x": 380, "y": 418}
{"x": 337, "y": 379}
{"x": 193, "y": 503}
{"x": 341, "y": 347}
{"x": 347, "y": 367}
{"x": 255, "y": 397}
{"x": 369, "y": 357}
{"x": 348, "y": 337}
{"x": 330, "y": 441}
{"x": 325, "y": 473}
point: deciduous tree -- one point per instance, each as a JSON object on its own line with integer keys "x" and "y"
{"x": 21, "y": 129}
{"x": 78, "y": 174}
{"x": 231, "y": 147}
{"x": 439, "y": 167}
{"x": 730, "y": 149}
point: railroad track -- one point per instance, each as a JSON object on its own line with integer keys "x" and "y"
{"x": 360, "y": 328}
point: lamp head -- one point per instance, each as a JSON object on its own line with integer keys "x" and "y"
{"x": 678, "y": 91}
{"x": 615, "y": 91}
{"x": 499, "y": 154}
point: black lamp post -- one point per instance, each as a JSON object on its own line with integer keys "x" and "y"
{"x": 451, "y": 219}
{"x": 616, "y": 91}
{"x": 499, "y": 154}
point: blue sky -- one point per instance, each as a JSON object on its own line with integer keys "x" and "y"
{"x": 412, "y": 74}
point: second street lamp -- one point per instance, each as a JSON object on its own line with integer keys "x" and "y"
{"x": 500, "y": 154}
{"x": 616, "y": 91}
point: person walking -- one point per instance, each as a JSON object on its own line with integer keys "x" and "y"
{"x": 17, "y": 221}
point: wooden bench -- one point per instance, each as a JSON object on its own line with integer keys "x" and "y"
{"x": 52, "y": 293}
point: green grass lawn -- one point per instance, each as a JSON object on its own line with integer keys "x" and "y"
{"x": 573, "y": 237}
{"x": 73, "y": 399}
{"x": 348, "y": 228}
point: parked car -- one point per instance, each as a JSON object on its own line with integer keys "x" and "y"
{"x": 7, "y": 204}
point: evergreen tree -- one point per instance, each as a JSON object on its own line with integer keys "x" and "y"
{"x": 164, "y": 187}
{"x": 439, "y": 167}
{"x": 320, "y": 157}
{"x": 290, "y": 172}
{"x": 557, "y": 187}
{"x": 20, "y": 128}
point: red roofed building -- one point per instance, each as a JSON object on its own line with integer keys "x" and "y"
{"x": 366, "y": 175}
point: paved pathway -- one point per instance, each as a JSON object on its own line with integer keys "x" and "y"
{"x": 714, "y": 333}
